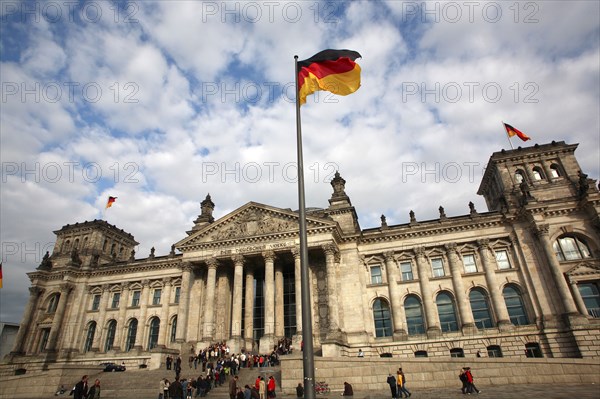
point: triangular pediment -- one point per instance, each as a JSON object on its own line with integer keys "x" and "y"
{"x": 584, "y": 269}
{"x": 252, "y": 220}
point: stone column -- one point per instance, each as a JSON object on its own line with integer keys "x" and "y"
{"x": 121, "y": 332}
{"x": 164, "y": 318}
{"x": 279, "y": 320}
{"x": 266, "y": 342}
{"x": 578, "y": 299}
{"x": 464, "y": 307}
{"x": 541, "y": 231}
{"x": 142, "y": 330}
{"x": 65, "y": 290}
{"x": 249, "y": 309}
{"x": 334, "y": 324}
{"x": 235, "y": 337}
{"x": 431, "y": 314}
{"x": 28, "y": 316}
{"x": 209, "y": 312}
{"x": 498, "y": 303}
{"x": 97, "y": 343}
{"x": 298, "y": 289}
{"x": 184, "y": 302}
{"x": 397, "y": 309}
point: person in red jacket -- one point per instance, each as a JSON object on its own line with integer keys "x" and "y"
{"x": 271, "y": 387}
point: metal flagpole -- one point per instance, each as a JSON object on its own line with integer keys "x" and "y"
{"x": 507, "y": 135}
{"x": 308, "y": 360}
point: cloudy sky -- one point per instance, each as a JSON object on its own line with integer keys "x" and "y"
{"x": 160, "y": 103}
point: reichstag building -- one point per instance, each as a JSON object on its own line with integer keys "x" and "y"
{"x": 520, "y": 279}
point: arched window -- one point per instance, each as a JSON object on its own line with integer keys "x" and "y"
{"x": 131, "y": 333}
{"x": 515, "y": 305}
{"x": 555, "y": 171}
{"x": 519, "y": 176}
{"x": 457, "y": 352}
{"x": 494, "y": 351}
{"x": 481, "y": 308}
{"x": 89, "y": 338}
{"x": 447, "y": 312}
{"x": 173, "y": 329}
{"x": 571, "y": 248}
{"x": 53, "y": 303}
{"x": 591, "y": 297}
{"x": 537, "y": 173}
{"x": 382, "y": 318}
{"x": 110, "y": 335}
{"x": 532, "y": 349}
{"x": 414, "y": 315}
{"x": 153, "y": 333}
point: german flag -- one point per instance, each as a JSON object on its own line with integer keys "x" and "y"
{"x": 110, "y": 201}
{"x": 330, "y": 70}
{"x": 511, "y": 131}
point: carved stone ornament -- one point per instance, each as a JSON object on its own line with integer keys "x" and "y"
{"x": 254, "y": 223}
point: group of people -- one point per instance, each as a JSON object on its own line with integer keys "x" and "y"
{"x": 398, "y": 385}
{"x": 82, "y": 391}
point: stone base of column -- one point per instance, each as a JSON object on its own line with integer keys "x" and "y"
{"x": 434, "y": 332}
{"x": 575, "y": 319}
{"x": 400, "y": 335}
{"x": 469, "y": 329}
{"x": 505, "y": 325}
{"x": 235, "y": 344}
{"x": 266, "y": 344}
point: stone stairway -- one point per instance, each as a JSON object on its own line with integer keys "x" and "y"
{"x": 144, "y": 384}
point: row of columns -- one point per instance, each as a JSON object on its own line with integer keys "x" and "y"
{"x": 273, "y": 297}
{"x": 463, "y": 304}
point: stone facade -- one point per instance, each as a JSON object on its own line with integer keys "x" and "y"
{"x": 519, "y": 280}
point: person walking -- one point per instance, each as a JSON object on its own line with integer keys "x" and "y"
{"x": 94, "y": 392}
{"x": 470, "y": 384}
{"x": 233, "y": 388}
{"x": 391, "y": 380}
{"x": 462, "y": 376}
{"x": 271, "y": 387}
{"x": 81, "y": 388}
{"x": 401, "y": 384}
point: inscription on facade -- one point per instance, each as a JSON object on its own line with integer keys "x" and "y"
{"x": 257, "y": 248}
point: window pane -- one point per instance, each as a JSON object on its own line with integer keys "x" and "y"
{"x": 116, "y": 300}
{"x": 382, "y": 319}
{"x": 177, "y": 292}
{"x": 447, "y": 313}
{"x": 554, "y": 171}
{"x": 96, "y": 302}
{"x": 174, "y": 329}
{"x": 131, "y": 335}
{"x": 156, "y": 296}
{"x": 406, "y": 270}
{"x": 569, "y": 248}
{"x": 514, "y": 305}
{"x": 537, "y": 175}
{"x": 376, "y": 275}
{"x": 591, "y": 297}
{"x": 438, "y": 267}
{"x": 480, "y": 309}
{"x": 135, "y": 301}
{"x": 153, "y": 334}
{"x": 469, "y": 262}
{"x": 110, "y": 336}
{"x": 502, "y": 260}
{"x": 414, "y": 315}
{"x": 89, "y": 340}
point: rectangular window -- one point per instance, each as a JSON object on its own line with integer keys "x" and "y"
{"x": 469, "y": 262}
{"x": 406, "y": 270}
{"x": 502, "y": 260}
{"x": 116, "y": 300}
{"x": 96, "y": 302}
{"x": 177, "y": 293}
{"x": 376, "y": 275}
{"x": 135, "y": 301}
{"x": 44, "y": 339}
{"x": 156, "y": 296}
{"x": 437, "y": 264}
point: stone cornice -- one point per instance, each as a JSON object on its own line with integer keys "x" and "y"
{"x": 432, "y": 228}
